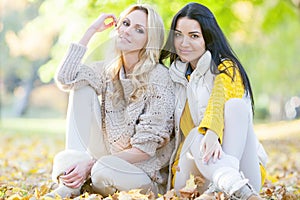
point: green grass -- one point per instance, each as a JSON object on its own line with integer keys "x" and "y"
{"x": 53, "y": 126}
{"x": 31, "y": 126}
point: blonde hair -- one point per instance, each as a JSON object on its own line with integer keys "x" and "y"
{"x": 148, "y": 56}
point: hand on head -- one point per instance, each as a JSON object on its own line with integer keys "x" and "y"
{"x": 103, "y": 22}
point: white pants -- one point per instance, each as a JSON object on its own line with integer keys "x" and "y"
{"x": 239, "y": 146}
{"x": 84, "y": 140}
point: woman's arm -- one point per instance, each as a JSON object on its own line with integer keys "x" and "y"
{"x": 224, "y": 89}
{"x": 98, "y": 25}
{"x": 212, "y": 124}
{"x": 72, "y": 74}
{"x": 156, "y": 123}
{"x": 133, "y": 155}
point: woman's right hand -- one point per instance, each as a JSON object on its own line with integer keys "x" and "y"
{"x": 99, "y": 24}
{"x": 77, "y": 174}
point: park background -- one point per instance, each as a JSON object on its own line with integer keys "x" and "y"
{"x": 35, "y": 34}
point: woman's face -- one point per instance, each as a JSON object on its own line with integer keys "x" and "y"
{"x": 132, "y": 33}
{"x": 188, "y": 40}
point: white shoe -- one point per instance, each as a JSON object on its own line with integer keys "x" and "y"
{"x": 63, "y": 192}
{"x": 233, "y": 183}
{"x": 246, "y": 193}
{"x": 209, "y": 194}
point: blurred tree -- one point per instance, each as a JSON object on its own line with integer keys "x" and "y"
{"x": 267, "y": 43}
{"x": 265, "y": 35}
{"x": 28, "y": 40}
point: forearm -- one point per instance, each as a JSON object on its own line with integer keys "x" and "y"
{"x": 133, "y": 155}
{"x": 87, "y": 36}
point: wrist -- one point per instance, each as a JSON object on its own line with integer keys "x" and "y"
{"x": 212, "y": 134}
{"x": 92, "y": 29}
{"x": 87, "y": 36}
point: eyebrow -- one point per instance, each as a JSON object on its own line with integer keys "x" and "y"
{"x": 135, "y": 24}
{"x": 192, "y": 32}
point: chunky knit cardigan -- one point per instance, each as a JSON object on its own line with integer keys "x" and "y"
{"x": 145, "y": 123}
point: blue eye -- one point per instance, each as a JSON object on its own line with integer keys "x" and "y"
{"x": 139, "y": 30}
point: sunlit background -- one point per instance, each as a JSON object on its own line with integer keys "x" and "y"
{"x": 35, "y": 35}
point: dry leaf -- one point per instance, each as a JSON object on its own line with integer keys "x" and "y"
{"x": 26, "y": 164}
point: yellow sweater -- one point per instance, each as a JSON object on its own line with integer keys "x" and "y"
{"x": 224, "y": 89}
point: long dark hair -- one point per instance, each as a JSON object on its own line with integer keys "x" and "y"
{"x": 215, "y": 42}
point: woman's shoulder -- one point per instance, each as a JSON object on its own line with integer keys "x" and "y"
{"x": 159, "y": 70}
{"x": 227, "y": 67}
{"x": 96, "y": 64}
{"x": 160, "y": 75}
{"x": 226, "y": 63}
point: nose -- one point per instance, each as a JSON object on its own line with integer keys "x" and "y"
{"x": 127, "y": 30}
{"x": 184, "y": 41}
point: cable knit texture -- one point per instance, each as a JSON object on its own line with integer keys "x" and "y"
{"x": 224, "y": 89}
{"x": 206, "y": 94}
{"x": 145, "y": 123}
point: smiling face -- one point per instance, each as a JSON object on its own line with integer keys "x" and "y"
{"x": 188, "y": 40}
{"x": 132, "y": 32}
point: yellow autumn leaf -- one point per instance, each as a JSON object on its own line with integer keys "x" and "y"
{"x": 273, "y": 178}
{"x": 15, "y": 197}
{"x": 190, "y": 184}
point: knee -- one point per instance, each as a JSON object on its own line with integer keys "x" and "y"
{"x": 84, "y": 91}
{"x": 65, "y": 159}
{"x": 235, "y": 105}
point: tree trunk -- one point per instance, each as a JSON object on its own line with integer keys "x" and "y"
{"x": 21, "y": 105}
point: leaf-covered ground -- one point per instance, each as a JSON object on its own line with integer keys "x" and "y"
{"x": 26, "y": 161}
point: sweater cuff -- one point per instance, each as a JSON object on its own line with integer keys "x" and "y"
{"x": 148, "y": 147}
{"x": 202, "y": 129}
{"x": 77, "y": 50}
{"x": 70, "y": 64}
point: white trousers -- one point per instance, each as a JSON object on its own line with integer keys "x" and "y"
{"x": 239, "y": 146}
{"x": 84, "y": 141}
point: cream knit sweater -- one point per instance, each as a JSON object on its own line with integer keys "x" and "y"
{"x": 146, "y": 123}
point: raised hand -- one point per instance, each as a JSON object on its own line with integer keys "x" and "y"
{"x": 103, "y": 22}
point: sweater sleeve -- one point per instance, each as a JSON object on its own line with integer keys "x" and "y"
{"x": 72, "y": 74}
{"x": 156, "y": 123}
{"x": 224, "y": 88}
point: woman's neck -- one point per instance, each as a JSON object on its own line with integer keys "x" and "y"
{"x": 129, "y": 61}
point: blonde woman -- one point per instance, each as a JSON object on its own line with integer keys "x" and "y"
{"x": 124, "y": 141}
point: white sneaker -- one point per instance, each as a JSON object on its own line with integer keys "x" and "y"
{"x": 246, "y": 192}
{"x": 233, "y": 183}
{"x": 209, "y": 194}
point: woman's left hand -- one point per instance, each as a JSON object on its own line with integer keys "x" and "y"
{"x": 210, "y": 147}
{"x": 77, "y": 174}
